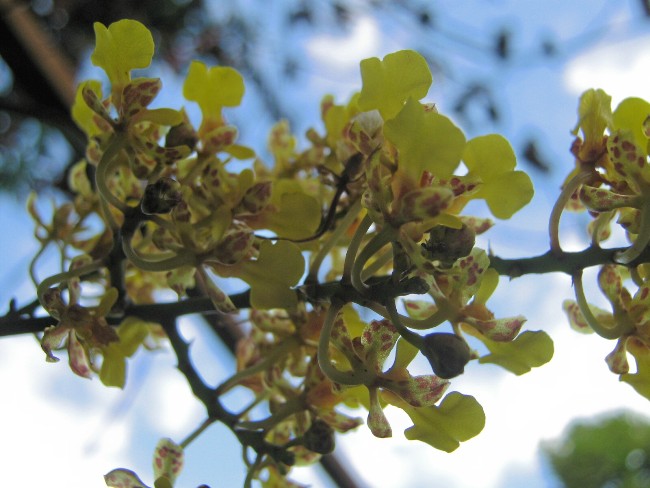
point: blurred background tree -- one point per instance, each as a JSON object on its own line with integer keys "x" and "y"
{"x": 260, "y": 40}
{"x": 612, "y": 452}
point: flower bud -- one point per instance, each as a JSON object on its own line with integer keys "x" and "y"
{"x": 161, "y": 197}
{"x": 446, "y": 244}
{"x": 447, "y": 353}
{"x": 319, "y": 438}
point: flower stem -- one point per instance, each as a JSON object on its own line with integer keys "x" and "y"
{"x": 165, "y": 262}
{"x": 334, "y": 237}
{"x": 642, "y": 238}
{"x": 108, "y": 163}
{"x": 378, "y": 241}
{"x": 279, "y": 351}
{"x": 355, "y": 243}
{"x": 411, "y": 337}
{"x": 554, "y": 220}
{"x": 199, "y": 430}
{"x": 349, "y": 378}
{"x": 615, "y": 332}
{"x": 48, "y": 282}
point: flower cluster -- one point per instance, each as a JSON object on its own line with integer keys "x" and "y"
{"x": 376, "y": 198}
{"x": 612, "y": 181}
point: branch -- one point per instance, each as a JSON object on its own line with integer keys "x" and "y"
{"x": 562, "y": 261}
{"x": 380, "y": 288}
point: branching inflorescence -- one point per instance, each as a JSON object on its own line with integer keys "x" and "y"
{"x": 370, "y": 212}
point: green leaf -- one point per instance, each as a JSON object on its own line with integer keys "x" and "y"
{"x": 492, "y": 160}
{"x": 529, "y": 350}
{"x": 387, "y": 84}
{"x": 213, "y": 88}
{"x": 278, "y": 268}
{"x": 458, "y": 418}
{"x": 425, "y": 141}
{"x": 123, "y": 46}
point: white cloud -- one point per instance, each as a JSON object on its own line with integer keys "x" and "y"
{"x": 620, "y": 68}
{"x": 344, "y": 52}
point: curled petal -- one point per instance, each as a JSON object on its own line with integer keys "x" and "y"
{"x": 617, "y": 359}
{"x": 78, "y": 357}
{"x": 54, "y": 338}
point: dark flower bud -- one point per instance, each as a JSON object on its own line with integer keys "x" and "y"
{"x": 447, "y": 353}
{"x": 319, "y": 438}
{"x": 446, "y": 244}
{"x": 182, "y": 134}
{"x": 161, "y": 197}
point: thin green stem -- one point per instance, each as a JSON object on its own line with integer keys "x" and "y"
{"x": 291, "y": 406}
{"x": 606, "y": 332}
{"x": 411, "y": 337}
{"x": 334, "y": 237}
{"x": 353, "y": 248}
{"x": 50, "y": 281}
{"x": 197, "y": 432}
{"x": 281, "y": 350}
{"x": 379, "y": 240}
{"x": 164, "y": 262}
{"x": 642, "y": 238}
{"x": 108, "y": 164}
{"x": 554, "y": 220}
{"x": 377, "y": 264}
{"x": 348, "y": 378}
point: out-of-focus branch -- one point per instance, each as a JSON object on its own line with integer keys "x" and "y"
{"x": 41, "y": 57}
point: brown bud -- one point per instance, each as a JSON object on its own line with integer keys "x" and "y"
{"x": 161, "y": 197}
{"x": 446, "y": 244}
{"x": 319, "y": 438}
{"x": 447, "y": 353}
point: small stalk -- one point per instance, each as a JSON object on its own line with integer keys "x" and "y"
{"x": 615, "y": 332}
{"x": 279, "y": 351}
{"x": 108, "y": 163}
{"x": 199, "y": 430}
{"x": 348, "y": 378}
{"x": 165, "y": 262}
{"x": 353, "y": 248}
{"x": 642, "y": 239}
{"x": 411, "y": 337}
{"x": 554, "y": 220}
{"x": 50, "y": 281}
{"x": 379, "y": 240}
{"x": 334, "y": 237}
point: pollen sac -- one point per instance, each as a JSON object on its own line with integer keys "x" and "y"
{"x": 161, "y": 197}
{"x": 446, "y": 244}
{"x": 447, "y": 353}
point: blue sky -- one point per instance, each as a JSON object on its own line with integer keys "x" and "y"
{"x": 79, "y": 430}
